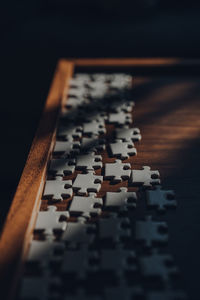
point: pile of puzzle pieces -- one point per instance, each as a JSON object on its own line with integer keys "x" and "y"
{"x": 86, "y": 245}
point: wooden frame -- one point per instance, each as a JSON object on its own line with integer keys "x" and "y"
{"x": 20, "y": 221}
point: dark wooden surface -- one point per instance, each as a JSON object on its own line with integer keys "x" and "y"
{"x": 167, "y": 112}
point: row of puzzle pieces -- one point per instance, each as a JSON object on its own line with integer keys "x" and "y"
{"x": 91, "y": 250}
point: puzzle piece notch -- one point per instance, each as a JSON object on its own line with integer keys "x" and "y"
{"x": 89, "y": 161}
{"x": 69, "y": 132}
{"x": 122, "y": 105}
{"x": 161, "y": 199}
{"x": 145, "y": 177}
{"x": 149, "y": 232}
{"x": 79, "y": 233}
{"x": 51, "y": 220}
{"x": 117, "y": 171}
{"x": 57, "y": 189}
{"x": 62, "y": 166}
{"x": 94, "y": 128}
{"x": 127, "y": 134}
{"x": 87, "y": 183}
{"x": 120, "y": 118}
{"x": 66, "y": 148}
{"x": 114, "y": 228}
{"x": 122, "y": 199}
{"x": 157, "y": 265}
{"x": 122, "y": 150}
{"x": 91, "y": 144}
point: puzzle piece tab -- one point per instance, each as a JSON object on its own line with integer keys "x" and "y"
{"x": 122, "y": 199}
{"x": 127, "y": 134}
{"x": 57, "y": 189}
{"x": 51, "y": 220}
{"x": 161, "y": 199}
{"x": 145, "y": 177}
{"x": 122, "y": 150}
{"x": 149, "y": 231}
{"x": 86, "y": 206}
{"x": 117, "y": 171}
{"x": 87, "y": 183}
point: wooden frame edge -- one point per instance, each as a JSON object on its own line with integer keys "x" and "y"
{"x": 20, "y": 220}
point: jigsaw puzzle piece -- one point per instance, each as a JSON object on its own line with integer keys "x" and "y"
{"x": 62, "y": 166}
{"x": 89, "y": 161}
{"x": 91, "y": 144}
{"x": 161, "y": 199}
{"x": 57, "y": 189}
{"x": 127, "y": 134}
{"x": 69, "y": 132}
{"x": 122, "y": 150}
{"x": 120, "y": 118}
{"x": 114, "y": 228}
{"x": 66, "y": 148}
{"x": 79, "y": 233}
{"x": 150, "y": 232}
{"x": 86, "y": 206}
{"x": 157, "y": 266}
{"x": 117, "y": 171}
{"x": 94, "y": 128}
{"x": 51, "y": 220}
{"x": 121, "y": 200}
{"x": 87, "y": 183}
{"x": 145, "y": 177}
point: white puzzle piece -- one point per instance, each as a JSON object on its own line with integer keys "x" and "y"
{"x": 87, "y": 183}
{"x": 122, "y": 150}
{"x": 117, "y": 171}
{"x": 57, "y": 189}
{"x": 145, "y": 177}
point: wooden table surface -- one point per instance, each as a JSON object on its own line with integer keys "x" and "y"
{"x": 167, "y": 112}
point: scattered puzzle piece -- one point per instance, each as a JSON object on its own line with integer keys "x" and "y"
{"x": 127, "y": 134}
{"x": 117, "y": 171}
{"x": 94, "y": 128}
{"x": 69, "y": 132}
{"x": 117, "y": 260}
{"x": 77, "y": 262}
{"x": 158, "y": 266}
{"x": 149, "y": 231}
{"x": 122, "y": 150}
{"x": 89, "y": 161}
{"x": 79, "y": 232}
{"x": 120, "y": 118}
{"x": 92, "y": 144}
{"x": 87, "y": 183}
{"x": 41, "y": 252}
{"x": 66, "y": 147}
{"x": 122, "y": 199}
{"x": 86, "y": 206}
{"x": 114, "y": 228}
{"x": 161, "y": 199}
{"x": 57, "y": 189}
{"x": 62, "y": 166}
{"x": 51, "y": 220}
{"x": 145, "y": 177}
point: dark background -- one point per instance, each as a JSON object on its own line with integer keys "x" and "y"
{"x": 35, "y": 34}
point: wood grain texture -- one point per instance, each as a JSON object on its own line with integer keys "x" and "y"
{"x": 23, "y": 211}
